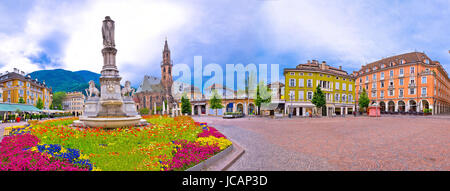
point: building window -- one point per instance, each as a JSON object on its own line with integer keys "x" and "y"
{"x": 412, "y": 70}
{"x": 412, "y": 91}
{"x": 350, "y": 98}
{"x": 310, "y": 95}
{"x": 382, "y": 84}
{"x": 291, "y": 82}
{"x": 424, "y": 79}
{"x": 374, "y": 94}
{"x": 424, "y": 92}
{"x": 309, "y": 83}
{"x": 344, "y": 97}
{"x": 292, "y": 95}
{"x": 367, "y": 78}
{"x": 391, "y": 73}
{"x": 381, "y": 94}
{"x": 374, "y": 77}
{"x": 337, "y": 85}
{"x": 374, "y": 85}
{"x": 301, "y": 82}
{"x": 292, "y": 74}
{"x": 344, "y": 87}
{"x": 309, "y": 74}
{"x": 400, "y": 92}
{"x": 411, "y": 80}
{"x": 350, "y": 87}
{"x": 401, "y": 73}
{"x": 382, "y": 76}
{"x": 301, "y": 95}
{"x": 391, "y": 92}
{"x": 400, "y": 81}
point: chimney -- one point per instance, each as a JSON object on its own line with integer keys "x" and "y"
{"x": 309, "y": 62}
{"x": 324, "y": 65}
{"x": 340, "y": 67}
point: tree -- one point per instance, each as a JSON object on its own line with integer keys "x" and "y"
{"x": 185, "y": 105}
{"x": 319, "y": 99}
{"x": 58, "y": 99}
{"x": 144, "y": 111}
{"x": 262, "y": 95}
{"x": 39, "y": 104}
{"x": 215, "y": 102}
{"x": 21, "y": 100}
{"x": 363, "y": 99}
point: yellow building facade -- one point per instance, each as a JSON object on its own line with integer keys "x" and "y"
{"x": 18, "y": 87}
{"x": 301, "y": 83}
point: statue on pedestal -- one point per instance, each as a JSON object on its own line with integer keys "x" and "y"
{"x": 92, "y": 90}
{"x": 108, "y": 33}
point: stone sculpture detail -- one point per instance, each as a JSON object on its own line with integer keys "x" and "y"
{"x": 92, "y": 90}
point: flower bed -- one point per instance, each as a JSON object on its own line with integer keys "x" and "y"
{"x": 168, "y": 144}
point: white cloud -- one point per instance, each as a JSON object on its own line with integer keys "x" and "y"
{"x": 349, "y": 31}
{"x": 141, "y": 27}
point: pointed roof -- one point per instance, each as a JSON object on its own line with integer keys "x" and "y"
{"x": 166, "y": 46}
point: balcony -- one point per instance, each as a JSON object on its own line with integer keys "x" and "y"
{"x": 412, "y": 85}
{"x": 391, "y": 87}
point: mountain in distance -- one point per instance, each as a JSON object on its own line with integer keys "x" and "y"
{"x": 66, "y": 81}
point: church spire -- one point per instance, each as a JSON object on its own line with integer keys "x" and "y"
{"x": 166, "y": 46}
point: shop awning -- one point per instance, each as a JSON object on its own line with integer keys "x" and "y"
{"x": 14, "y": 107}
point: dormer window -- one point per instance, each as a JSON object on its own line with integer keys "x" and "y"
{"x": 391, "y": 64}
{"x": 382, "y": 65}
{"x": 427, "y": 61}
{"x": 374, "y": 68}
{"x": 402, "y": 62}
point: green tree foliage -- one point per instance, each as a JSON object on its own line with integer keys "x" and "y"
{"x": 319, "y": 99}
{"x": 363, "y": 100}
{"x": 39, "y": 104}
{"x": 58, "y": 99}
{"x": 262, "y": 95}
{"x": 21, "y": 100}
{"x": 185, "y": 105}
{"x": 144, "y": 111}
{"x": 215, "y": 102}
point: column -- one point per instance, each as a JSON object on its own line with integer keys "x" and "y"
{"x": 192, "y": 110}
{"x": 342, "y": 110}
{"x": 297, "y": 113}
{"x": 199, "y": 110}
{"x": 303, "y": 111}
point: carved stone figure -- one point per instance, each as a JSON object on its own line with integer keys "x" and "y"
{"x": 92, "y": 89}
{"x": 108, "y": 32}
{"x": 127, "y": 89}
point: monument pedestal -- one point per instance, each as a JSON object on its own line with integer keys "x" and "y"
{"x": 113, "y": 108}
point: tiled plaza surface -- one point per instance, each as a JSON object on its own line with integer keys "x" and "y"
{"x": 340, "y": 143}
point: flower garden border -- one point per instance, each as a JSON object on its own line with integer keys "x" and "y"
{"x": 219, "y": 162}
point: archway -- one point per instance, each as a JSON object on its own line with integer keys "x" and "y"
{"x": 391, "y": 106}
{"x": 425, "y": 104}
{"x": 230, "y": 107}
{"x": 401, "y": 106}
{"x": 382, "y": 106}
{"x": 412, "y": 105}
{"x": 240, "y": 108}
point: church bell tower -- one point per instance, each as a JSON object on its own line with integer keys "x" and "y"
{"x": 166, "y": 70}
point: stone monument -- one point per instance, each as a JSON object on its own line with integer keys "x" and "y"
{"x": 111, "y": 107}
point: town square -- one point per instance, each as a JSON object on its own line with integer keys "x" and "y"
{"x": 147, "y": 86}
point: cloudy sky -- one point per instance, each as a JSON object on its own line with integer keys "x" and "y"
{"x": 46, "y": 34}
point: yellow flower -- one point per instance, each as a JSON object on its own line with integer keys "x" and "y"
{"x": 222, "y": 143}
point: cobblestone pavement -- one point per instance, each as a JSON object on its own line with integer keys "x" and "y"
{"x": 340, "y": 143}
{"x": 3, "y": 125}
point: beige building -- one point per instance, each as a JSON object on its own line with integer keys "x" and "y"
{"x": 74, "y": 102}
